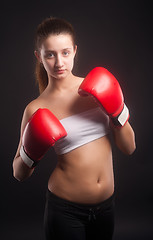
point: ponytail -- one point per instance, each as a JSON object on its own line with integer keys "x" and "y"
{"x": 41, "y": 76}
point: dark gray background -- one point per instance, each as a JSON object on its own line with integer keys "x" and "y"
{"x": 113, "y": 34}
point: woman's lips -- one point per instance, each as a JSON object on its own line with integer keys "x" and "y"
{"x": 61, "y": 71}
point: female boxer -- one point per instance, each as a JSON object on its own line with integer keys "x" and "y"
{"x": 75, "y": 116}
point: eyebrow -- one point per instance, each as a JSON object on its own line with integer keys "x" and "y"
{"x": 55, "y": 51}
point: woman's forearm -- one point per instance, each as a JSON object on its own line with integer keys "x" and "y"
{"x": 20, "y": 170}
{"x": 124, "y": 138}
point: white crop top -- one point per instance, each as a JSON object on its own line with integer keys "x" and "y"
{"x": 82, "y": 128}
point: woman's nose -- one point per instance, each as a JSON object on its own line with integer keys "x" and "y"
{"x": 59, "y": 62}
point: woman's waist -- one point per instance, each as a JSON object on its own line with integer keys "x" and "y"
{"x": 102, "y": 204}
{"x": 82, "y": 194}
{"x": 82, "y": 186}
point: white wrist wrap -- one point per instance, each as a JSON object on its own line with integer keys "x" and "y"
{"x": 124, "y": 115}
{"x": 122, "y": 118}
{"x": 28, "y": 161}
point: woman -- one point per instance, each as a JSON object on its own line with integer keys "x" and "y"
{"x": 79, "y": 202}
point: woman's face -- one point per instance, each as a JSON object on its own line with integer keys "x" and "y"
{"x": 57, "y": 55}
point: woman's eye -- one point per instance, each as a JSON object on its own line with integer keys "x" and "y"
{"x": 50, "y": 55}
{"x": 65, "y": 53}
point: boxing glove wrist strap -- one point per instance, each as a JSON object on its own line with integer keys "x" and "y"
{"x": 28, "y": 161}
{"x": 122, "y": 118}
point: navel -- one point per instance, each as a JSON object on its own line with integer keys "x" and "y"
{"x": 98, "y": 180}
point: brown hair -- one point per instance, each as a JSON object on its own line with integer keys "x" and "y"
{"x": 49, "y": 26}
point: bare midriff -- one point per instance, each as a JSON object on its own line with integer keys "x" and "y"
{"x": 84, "y": 175}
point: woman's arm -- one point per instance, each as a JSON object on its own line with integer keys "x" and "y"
{"x": 106, "y": 90}
{"x": 124, "y": 138}
{"x": 20, "y": 170}
{"x": 41, "y": 133}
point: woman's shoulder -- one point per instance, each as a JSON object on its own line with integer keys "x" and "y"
{"x": 42, "y": 101}
{"x": 32, "y": 107}
{"x": 79, "y": 79}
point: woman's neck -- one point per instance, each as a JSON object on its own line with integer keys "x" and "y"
{"x": 62, "y": 84}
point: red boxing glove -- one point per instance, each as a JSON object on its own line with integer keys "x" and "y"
{"x": 40, "y": 133}
{"x": 102, "y": 85}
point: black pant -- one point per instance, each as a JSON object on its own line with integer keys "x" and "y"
{"x": 65, "y": 220}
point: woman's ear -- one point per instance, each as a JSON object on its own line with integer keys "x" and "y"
{"x": 37, "y": 54}
{"x": 75, "y": 49}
